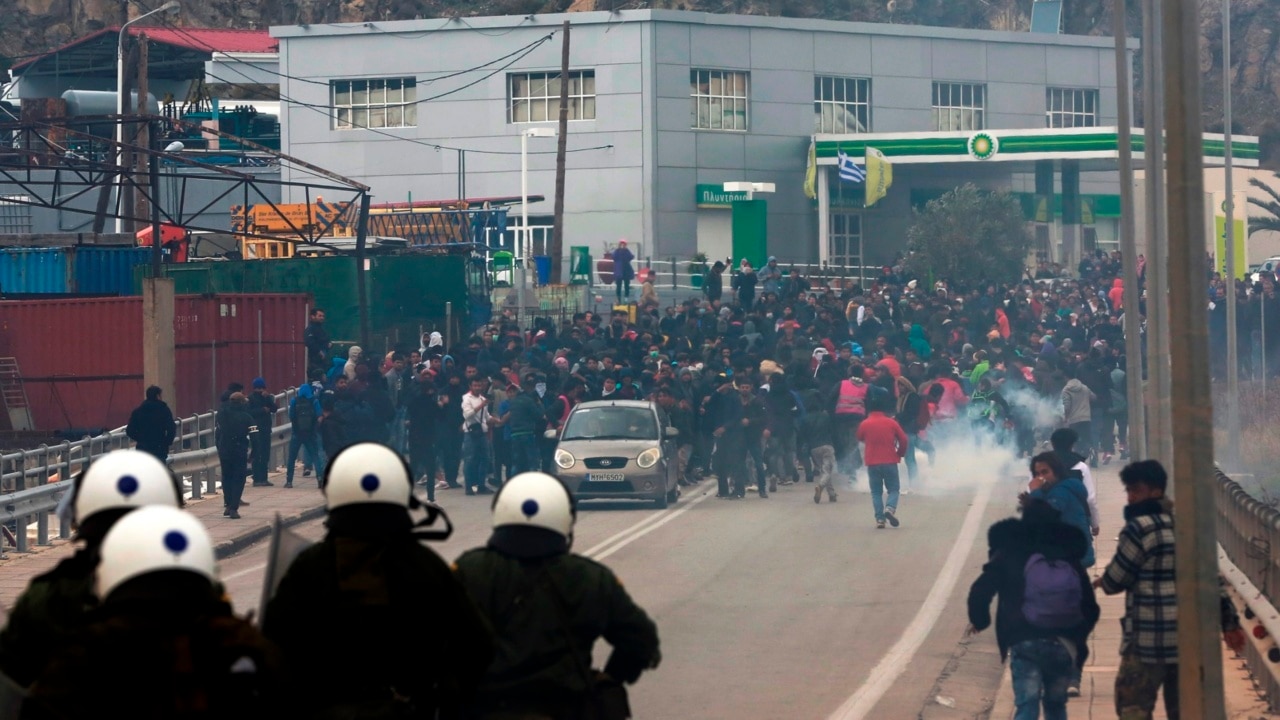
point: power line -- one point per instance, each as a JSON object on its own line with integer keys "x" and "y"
{"x": 327, "y": 111}
{"x": 182, "y": 31}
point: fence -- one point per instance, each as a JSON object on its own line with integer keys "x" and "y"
{"x": 686, "y": 275}
{"x": 1249, "y": 557}
{"x": 36, "y": 480}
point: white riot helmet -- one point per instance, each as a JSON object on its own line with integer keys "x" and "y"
{"x": 123, "y": 479}
{"x": 535, "y": 499}
{"x": 367, "y": 473}
{"x": 153, "y": 539}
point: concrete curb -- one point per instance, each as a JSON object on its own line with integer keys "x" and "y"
{"x": 257, "y": 534}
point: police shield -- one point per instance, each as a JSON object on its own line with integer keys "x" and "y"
{"x": 285, "y": 546}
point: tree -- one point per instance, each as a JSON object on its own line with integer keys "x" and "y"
{"x": 1271, "y": 205}
{"x": 969, "y": 236}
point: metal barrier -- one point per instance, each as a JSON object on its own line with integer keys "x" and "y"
{"x": 1249, "y": 538}
{"x": 39, "y": 478}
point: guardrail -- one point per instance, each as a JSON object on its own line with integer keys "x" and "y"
{"x": 1249, "y": 538}
{"x": 39, "y": 478}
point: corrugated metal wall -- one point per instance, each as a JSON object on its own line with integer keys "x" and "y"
{"x": 88, "y": 269}
{"x": 81, "y": 359}
{"x": 33, "y": 270}
{"x": 107, "y": 270}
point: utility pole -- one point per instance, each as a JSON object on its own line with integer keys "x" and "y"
{"x": 1128, "y": 242}
{"x": 362, "y": 295}
{"x": 1233, "y": 361}
{"x": 1159, "y": 435}
{"x": 142, "y": 139}
{"x": 562, "y": 143}
{"x": 1199, "y": 650}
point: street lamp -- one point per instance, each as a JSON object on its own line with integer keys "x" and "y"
{"x": 538, "y": 132}
{"x": 173, "y": 6}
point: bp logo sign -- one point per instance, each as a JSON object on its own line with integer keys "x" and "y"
{"x": 983, "y": 146}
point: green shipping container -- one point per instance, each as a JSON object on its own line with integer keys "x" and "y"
{"x": 405, "y": 292}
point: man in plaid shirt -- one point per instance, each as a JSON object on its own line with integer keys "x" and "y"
{"x": 1143, "y": 567}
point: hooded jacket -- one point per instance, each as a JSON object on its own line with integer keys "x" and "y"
{"x": 1010, "y": 543}
{"x": 1076, "y": 402}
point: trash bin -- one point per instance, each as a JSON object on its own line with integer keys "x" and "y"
{"x": 501, "y": 267}
{"x": 542, "y": 265}
{"x": 580, "y": 265}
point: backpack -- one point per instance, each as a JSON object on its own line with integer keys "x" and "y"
{"x": 304, "y": 418}
{"x": 1052, "y": 596}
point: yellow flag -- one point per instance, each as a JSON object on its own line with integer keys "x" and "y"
{"x": 879, "y": 176}
{"x": 811, "y": 173}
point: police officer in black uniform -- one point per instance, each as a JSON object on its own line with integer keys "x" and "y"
{"x": 163, "y": 642}
{"x": 56, "y": 604}
{"x": 372, "y": 623}
{"x": 548, "y": 607}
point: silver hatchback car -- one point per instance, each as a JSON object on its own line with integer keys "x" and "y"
{"x": 618, "y": 449}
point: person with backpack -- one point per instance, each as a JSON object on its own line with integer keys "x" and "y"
{"x": 819, "y": 437}
{"x": 371, "y": 582}
{"x": 1045, "y": 606}
{"x": 304, "y": 417}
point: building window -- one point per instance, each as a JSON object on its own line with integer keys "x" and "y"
{"x": 15, "y": 217}
{"x": 374, "y": 103}
{"x": 719, "y": 99}
{"x": 959, "y": 106}
{"x": 1071, "y": 108}
{"x": 844, "y": 239}
{"x": 841, "y": 105}
{"x": 535, "y": 97}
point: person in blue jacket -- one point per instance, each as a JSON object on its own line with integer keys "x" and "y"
{"x": 1065, "y": 492}
{"x": 304, "y": 416}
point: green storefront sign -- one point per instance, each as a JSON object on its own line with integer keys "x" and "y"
{"x": 710, "y": 195}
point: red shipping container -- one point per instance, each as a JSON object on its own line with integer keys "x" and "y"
{"x": 81, "y": 358}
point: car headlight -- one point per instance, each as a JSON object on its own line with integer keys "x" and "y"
{"x": 565, "y": 459}
{"x": 649, "y": 458}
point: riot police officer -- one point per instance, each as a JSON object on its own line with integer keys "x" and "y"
{"x": 162, "y": 643}
{"x": 56, "y": 604}
{"x": 548, "y": 607}
{"x": 371, "y": 623}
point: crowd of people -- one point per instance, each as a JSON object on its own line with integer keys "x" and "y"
{"x": 772, "y": 379}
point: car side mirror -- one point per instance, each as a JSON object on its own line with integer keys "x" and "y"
{"x": 672, "y": 431}
{"x": 551, "y": 434}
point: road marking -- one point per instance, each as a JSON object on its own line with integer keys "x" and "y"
{"x": 618, "y": 540}
{"x": 241, "y": 573}
{"x": 892, "y": 665}
{"x": 640, "y": 529}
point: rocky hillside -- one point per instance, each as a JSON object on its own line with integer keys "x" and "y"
{"x": 32, "y": 26}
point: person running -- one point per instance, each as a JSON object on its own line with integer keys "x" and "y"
{"x": 884, "y": 445}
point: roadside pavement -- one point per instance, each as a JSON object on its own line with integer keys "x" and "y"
{"x": 295, "y": 505}
{"x": 1097, "y": 689}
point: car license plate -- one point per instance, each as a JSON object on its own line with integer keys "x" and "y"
{"x": 606, "y": 477}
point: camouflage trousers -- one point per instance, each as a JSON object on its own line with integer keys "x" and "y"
{"x": 1138, "y": 684}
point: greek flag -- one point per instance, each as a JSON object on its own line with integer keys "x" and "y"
{"x": 850, "y": 171}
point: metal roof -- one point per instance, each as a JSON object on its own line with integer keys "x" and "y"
{"x": 177, "y": 53}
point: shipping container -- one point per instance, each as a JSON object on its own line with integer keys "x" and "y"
{"x": 81, "y": 359}
{"x": 91, "y": 270}
{"x": 33, "y": 270}
{"x": 107, "y": 270}
{"x": 407, "y": 293}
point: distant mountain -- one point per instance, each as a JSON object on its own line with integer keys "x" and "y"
{"x": 33, "y": 26}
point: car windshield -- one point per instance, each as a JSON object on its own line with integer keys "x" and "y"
{"x": 611, "y": 423}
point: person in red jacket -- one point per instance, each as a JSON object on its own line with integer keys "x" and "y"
{"x": 884, "y": 445}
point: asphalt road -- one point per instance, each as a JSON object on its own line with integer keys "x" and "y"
{"x": 781, "y": 608}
